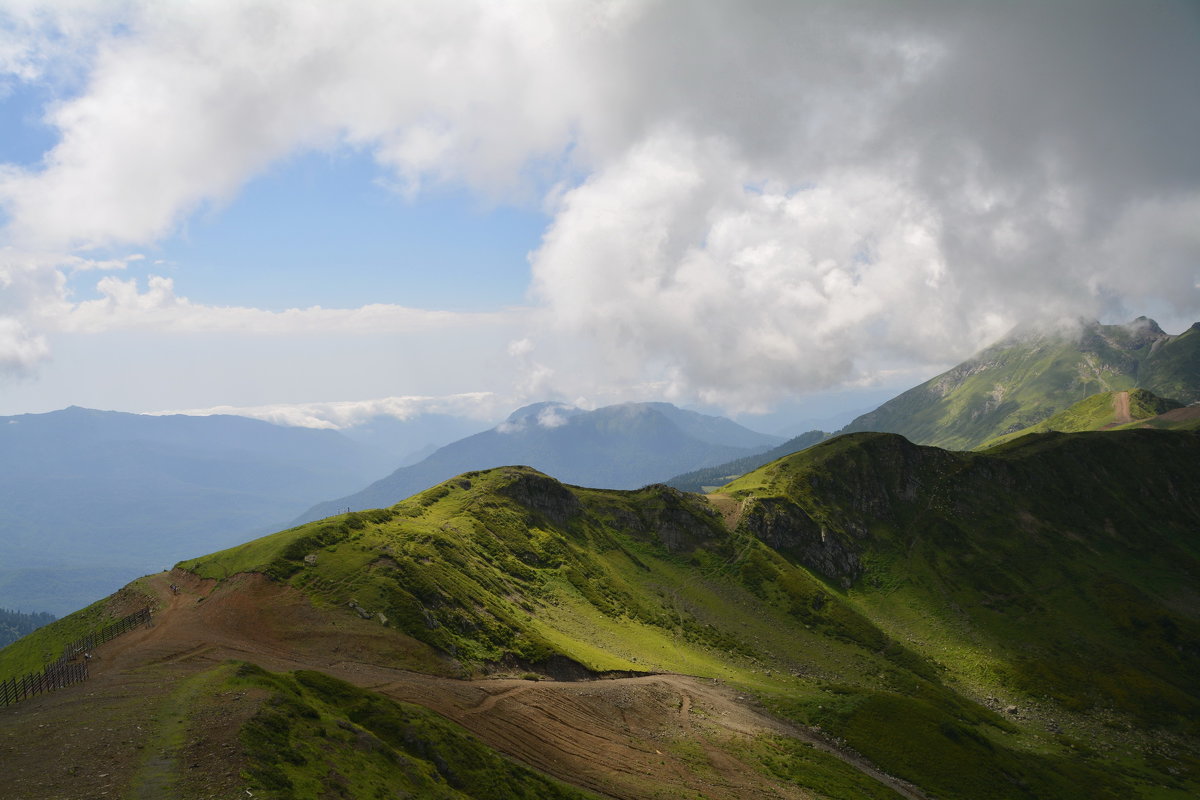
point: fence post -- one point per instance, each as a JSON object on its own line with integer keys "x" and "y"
{"x": 64, "y": 671}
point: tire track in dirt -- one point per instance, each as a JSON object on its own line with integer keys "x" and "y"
{"x": 492, "y": 699}
{"x": 624, "y": 738}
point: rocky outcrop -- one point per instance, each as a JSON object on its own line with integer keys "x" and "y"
{"x": 825, "y": 514}
{"x": 681, "y": 521}
{"x": 542, "y": 495}
{"x": 788, "y": 528}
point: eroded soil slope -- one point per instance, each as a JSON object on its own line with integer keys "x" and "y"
{"x": 149, "y": 724}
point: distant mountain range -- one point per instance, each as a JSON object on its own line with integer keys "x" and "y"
{"x": 91, "y": 499}
{"x": 412, "y": 439}
{"x": 616, "y": 447}
{"x": 1034, "y": 374}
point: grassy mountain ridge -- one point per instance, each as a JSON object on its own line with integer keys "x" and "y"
{"x": 698, "y": 480}
{"x": 899, "y": 597}
{"x": 621, "y": 446}
{"x": 1099, "y": 412}
{"x": 1033, "y": 374}
{"x": 845, "y": 556}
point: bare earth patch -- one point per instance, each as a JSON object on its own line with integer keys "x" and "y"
{"x": 657, "y": 735}
{"x": 1120, "y": 403}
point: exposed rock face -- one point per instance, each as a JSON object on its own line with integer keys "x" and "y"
{"x": 543, "y": 495}
{"x": 874, "y": 481}
{"x": 681, "y": 521}
{"x": 825, "y": 515}
{"x": 787, "y": 528}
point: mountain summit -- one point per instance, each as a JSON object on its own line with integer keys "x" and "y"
{"x": 616, "y": 447}
{"x": 1033, "y": 374}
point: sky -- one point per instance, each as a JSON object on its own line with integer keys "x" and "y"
{"x": 318, "y": 211}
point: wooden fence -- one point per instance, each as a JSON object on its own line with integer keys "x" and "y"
{"x": 69, "y": 668}
{"x": 54, "y": 676}
{"x": 107, "y": 633}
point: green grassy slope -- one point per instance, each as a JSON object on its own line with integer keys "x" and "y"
{"x": 1056, "y": 574}
{"x": 316, "y": 736}
{"x": 1017, "y": 623}
{"x": 1030, "y": 376}
{"x": 1174, "y": 366}
{"x": 899, "y": 596}
{"x": 35, "y": 650}
{"x": 1095, "y": 413}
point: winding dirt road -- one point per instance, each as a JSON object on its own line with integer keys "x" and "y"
{"x": 627, "y": 738}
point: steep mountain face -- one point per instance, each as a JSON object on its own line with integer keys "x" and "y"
{"x": 618, "y": 447}
{"x": 1017, "y": 623}
{"x": 1032, "y": 375}
{"x": 91, "y": 499}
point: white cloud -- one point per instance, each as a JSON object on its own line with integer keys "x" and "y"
{"x": 551, "y": 417}
{"x": 749, "y": 199}
{"x": 682, "y": 258}
{"x": 20, "y": 348}
{"x": 520, "y": 347}
{"x": 123, "y": 306}
{"x": 345, "y": 414}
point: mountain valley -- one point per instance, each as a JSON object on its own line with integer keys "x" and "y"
{"x": 89, "y": 500}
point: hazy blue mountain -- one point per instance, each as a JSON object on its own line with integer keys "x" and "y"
{"x": 90, "y": 499}
{"x": 408, "y": 441}
{"x": 714, "y": 430}
{"x": 617, "y": 447}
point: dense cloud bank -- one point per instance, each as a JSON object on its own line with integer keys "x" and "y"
{"x": 747, "y": 199}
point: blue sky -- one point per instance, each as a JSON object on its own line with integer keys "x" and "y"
{"x": 26, "y": 137}
{"x": 320, "y": 229}
{"x": 498, "y": 203}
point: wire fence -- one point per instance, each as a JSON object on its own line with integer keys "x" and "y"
{"x": 72, "y": 666}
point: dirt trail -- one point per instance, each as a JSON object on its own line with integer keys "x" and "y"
{"x": 729, "y": 508}
{"x": 626, "y": 738}
{"x": 1120, "y": 402}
